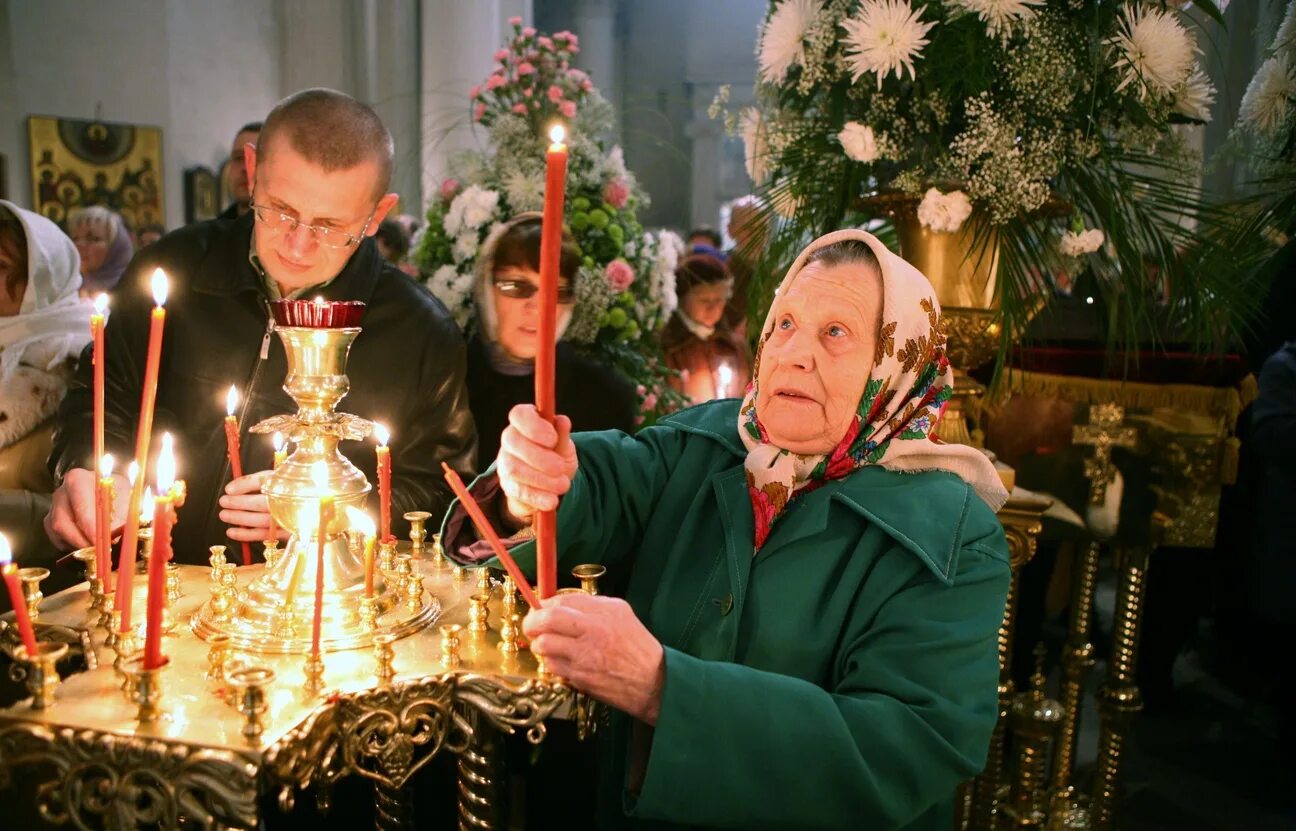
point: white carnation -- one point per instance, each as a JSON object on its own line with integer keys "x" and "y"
{"x": 782, "y": 42}
{"x": 1075, "y": 244}
{"x": 1155, "y": 51}
{"x": 465, "y": 246}
{"x": 944, "y": 211}
{"x": 441, "y": 283}
{"x": 858, "y": 142}
{"x": 470, "y": 209}
{"x": 1268, "y": 96}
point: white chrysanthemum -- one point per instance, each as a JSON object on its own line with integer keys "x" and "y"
{"x": 1075, "y": 244}
{"x": 669, "y": 247}
{"x": 859, "y": 142}
{"x": 884, "y": 35}
{"x": 525, "y": 192}
{"x": 1269, "y": 96}
{"x": 1285, "y": 40}
{"x": 999, "y": 16}
{"x": 1195, "y": 97}
{"x": 465, "y": 245}
{"x": 441, "y": 283}
{"x": 754, "y": 146}
{"x": 944, "y": 211}
{"x": 470, "y": 209}
{"x": 1156, "y": 52}
{"x": 782, "y": 43}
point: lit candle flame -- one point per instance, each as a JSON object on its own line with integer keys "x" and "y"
{"x": 106, "y": 465}
{"x": 166, "y": 465}
{"x": 726, "y": 375}
{"x": 146, "y": 506}
{"x": 132, "y": 472}
{"x": 319, "y": 300}
{"x": 557, "y": 134}
{"x": 360, "y": 521}
{"x": 100, "y": 303}
{"x": 231, "y": 400}
{"x": 159, "y": 287}
{"x": 278, "y": 441}
{"x": 307, "y": 519}
{"x": 382, "y": 434}
{"x": 6, "y": 556}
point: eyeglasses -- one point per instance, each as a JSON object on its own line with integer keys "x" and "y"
{"x": 524, "y": 289}
{"x": 282, "y": 223}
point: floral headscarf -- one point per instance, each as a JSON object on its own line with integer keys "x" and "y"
{"x": 907, "y": 391}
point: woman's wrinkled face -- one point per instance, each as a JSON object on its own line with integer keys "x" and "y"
{"x": 705, "y": 302}
{"x": 518, "y": 316}
{"x": 91, "y": 240}
{"x": 817, "y": 359}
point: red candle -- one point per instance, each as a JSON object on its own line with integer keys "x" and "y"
{"x": 384, "y": 483}
{"x": 320, "y": 475}
{"x": 103, "y": 559}
{"x": 143, "y": 434}
{"x": 10, "y": 572}
{"x": 360, "y": 521}
{"x": 163, "y": 519}
{"x": 488, "y": 533}
{"x": 279, "y": 455}
{"x": 103, "y": 518}
{"x": 234, "y": 452}
{"x": 546, "y": 526}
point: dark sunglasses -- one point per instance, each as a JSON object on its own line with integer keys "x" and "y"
{"x": 523, "y": 289}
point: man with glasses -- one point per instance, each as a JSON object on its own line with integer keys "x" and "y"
{"x": 319, "y": 174}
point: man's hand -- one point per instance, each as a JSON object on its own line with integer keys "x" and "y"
{"x": 537, "y": 461}
{"x": 246, "y": 510}
{"x": 70, "y": 523}
{"x": 602, "y": 649}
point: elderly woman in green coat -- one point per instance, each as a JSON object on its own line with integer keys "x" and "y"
{"x": 808, "y": 639}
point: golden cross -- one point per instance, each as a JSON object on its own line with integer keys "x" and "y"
{"x": 1104, "y": 431}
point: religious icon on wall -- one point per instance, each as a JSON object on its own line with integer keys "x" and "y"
{"x": 202, "y": 194}
{"x": 77, "y": 162}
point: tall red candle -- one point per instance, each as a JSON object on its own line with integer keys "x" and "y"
{"x": 546, "y": 525}
{"x": 320, "y": 475}
{"x": 10, "y": 572}
{"x": 488, "y": 533}
{"x": 234, "y": 452}
{"x": 103, "y": 518}
{"x": 384, "y": 483}
{"x": 163, "y": 519}
{"x": 103, "y": 559}
{"x": 143, "y": 434}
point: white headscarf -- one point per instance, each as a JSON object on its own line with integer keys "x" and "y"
{"x": 53, "y": 323}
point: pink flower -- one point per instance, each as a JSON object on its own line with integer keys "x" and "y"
{"x": 587, "y": 85}
{"x": 449, "y": 190}
{"x": 478, "y": 112}
{"x": 495, "y": 81}
{"x": 616, "y": 193}
{"x": 544, "y": 42}
{"x": 555, "y": 93}
{"x": 639, "y": 390}
{"x": 684, "y": 376}
{"x": 515, "y": 21}
{"x": 576, "y": 75}
{"x": 619, "y": 275}
{"x": 649, "y": 403}
{"x": 528, "y": 91}
{"x": 567, "y": 36}
{"x": 528, "y": 32}
{"x": 567, "y": 108}
{"x": 501, "y": 54}
{"x": 474, "y": 92}
{"x": 525, "y": 68}
{"x": 519, "y": 108}
{"x": 639, "y": 420}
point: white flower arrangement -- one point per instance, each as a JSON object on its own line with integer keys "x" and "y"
{"x": 1155, "y": 51}
{"x": 1268, "y": 98}
{"x": 859, "y": 142}
{"x": 945, "y": 212}
{"x": 782, "y": 41}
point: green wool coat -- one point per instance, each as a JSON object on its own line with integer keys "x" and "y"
{"x": 844, "y": 677}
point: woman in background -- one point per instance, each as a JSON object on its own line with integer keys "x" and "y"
{"x": 698, "y": 344}
{"x": 104, "y": 244}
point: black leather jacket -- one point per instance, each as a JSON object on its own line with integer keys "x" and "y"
{"x": 406, "y": 369}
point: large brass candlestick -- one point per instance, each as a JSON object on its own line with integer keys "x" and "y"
{"x": 274, "y": 612}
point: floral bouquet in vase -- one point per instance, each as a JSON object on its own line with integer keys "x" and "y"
{"x": 626, "y": 287}
{"x": 1004, "y": 144}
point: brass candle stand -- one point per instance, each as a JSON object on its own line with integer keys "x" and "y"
{"x": 269, "y": 614}
{"x": 31, "y": 578}
{"x": 146, "y": 687}
{"x": 40, "y": 672}
{"x": 1035, "y": 722}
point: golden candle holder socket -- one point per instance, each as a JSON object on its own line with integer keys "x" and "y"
{"x": 450, "y": 645}
{"x": 41, "y": 670}
{"x": 147, "y": 688}
{"x": 217, "y": 560}
{"x": 460, "y": 574}
{"x": 218, "y": 649}
{"x": 418, "y": 534}
{"x": 369, "y": 613}
{"x": 508, "y": 599}
{"x": 510, "y": 628}
{"x": 145, "y": 538}
{"x": 484, "y": 584}
{"x": 249, "y": 684}
{"x": 172, "y": 583}
{"x": 270, "y": 553}
{"x": 314, "y": 671}
{"x": 31, "y": 578}
{"x": 588, "y": 574}
{"x": 89, "y": 559}
{"x": 412, "y": 591}
{"x": 386, "y": 556}
{"x": 478, "y": 613}
{"x": 404, "y": 565}
{"x": 126, "y": 648}
{"x": 285, "y": 623}
{"x": 438, "y": 553}
{"x": 384, "y": 655}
